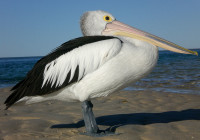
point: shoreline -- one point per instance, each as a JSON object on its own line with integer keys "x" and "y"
{"x": 140, "y": 115}
{"x": 136, "y": 89}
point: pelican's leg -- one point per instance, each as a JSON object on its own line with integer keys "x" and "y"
{"x": 90, "y": 122}
{"x": 89, "y": 119}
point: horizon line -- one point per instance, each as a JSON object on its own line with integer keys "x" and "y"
{"x": 6, "y": 57}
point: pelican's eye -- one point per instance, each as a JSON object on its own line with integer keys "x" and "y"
{"x": 107, "y": 18}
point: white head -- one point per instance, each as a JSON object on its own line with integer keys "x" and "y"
{"x": 103, "y": 23}
{"x": 94, "y": 22}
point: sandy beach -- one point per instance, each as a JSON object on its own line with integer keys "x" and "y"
{"x": 141, "y": 115}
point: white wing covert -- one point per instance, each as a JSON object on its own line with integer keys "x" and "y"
{"x": 86, "y": 58}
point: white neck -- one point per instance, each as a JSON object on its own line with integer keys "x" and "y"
{"x": 139, "y": 43}
{"x": 143, "y": 55}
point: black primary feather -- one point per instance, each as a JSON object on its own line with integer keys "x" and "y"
{"x": 32, "y": 83}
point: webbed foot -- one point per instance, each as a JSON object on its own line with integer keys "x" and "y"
{"x": 100, "y": 133}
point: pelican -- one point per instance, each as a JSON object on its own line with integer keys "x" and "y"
{"x": 110, "y": 56}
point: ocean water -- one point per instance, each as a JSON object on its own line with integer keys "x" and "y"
{"x": 178, "y": 73}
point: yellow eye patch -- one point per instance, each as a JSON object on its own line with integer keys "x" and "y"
{"x": 107, "y": 18}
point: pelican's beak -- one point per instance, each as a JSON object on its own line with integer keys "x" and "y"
{"x": 120, "y": 29}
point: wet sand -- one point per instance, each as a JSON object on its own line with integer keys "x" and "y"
{"x": 142, "y": 115}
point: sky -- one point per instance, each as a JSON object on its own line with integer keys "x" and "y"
{"x": 35, "y": 27}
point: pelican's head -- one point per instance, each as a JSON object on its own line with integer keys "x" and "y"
{"x": 103, "y": 23}
{"x": 94, "y": 22}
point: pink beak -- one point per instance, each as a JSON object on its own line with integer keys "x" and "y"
{"x": 117, "y": 28}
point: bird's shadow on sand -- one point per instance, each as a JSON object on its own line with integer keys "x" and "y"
{"x": 117, "y": 120}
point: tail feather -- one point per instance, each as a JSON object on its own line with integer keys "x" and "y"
{"x": 15, "y": 96}
{"x": 9, "y": 101}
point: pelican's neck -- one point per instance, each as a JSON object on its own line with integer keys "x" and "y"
{"x": 142, "y": 46}
{"x": 146, "y": 53}
{"x": 141, "y": 56}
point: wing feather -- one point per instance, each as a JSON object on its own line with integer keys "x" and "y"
{"x": 88, "y": 57}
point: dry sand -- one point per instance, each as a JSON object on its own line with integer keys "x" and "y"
{"x": 142, "y": 115}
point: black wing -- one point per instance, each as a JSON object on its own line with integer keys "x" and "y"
{"x": 32, "y": 83}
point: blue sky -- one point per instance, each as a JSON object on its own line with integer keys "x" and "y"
{"x": 34, "y": 28}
